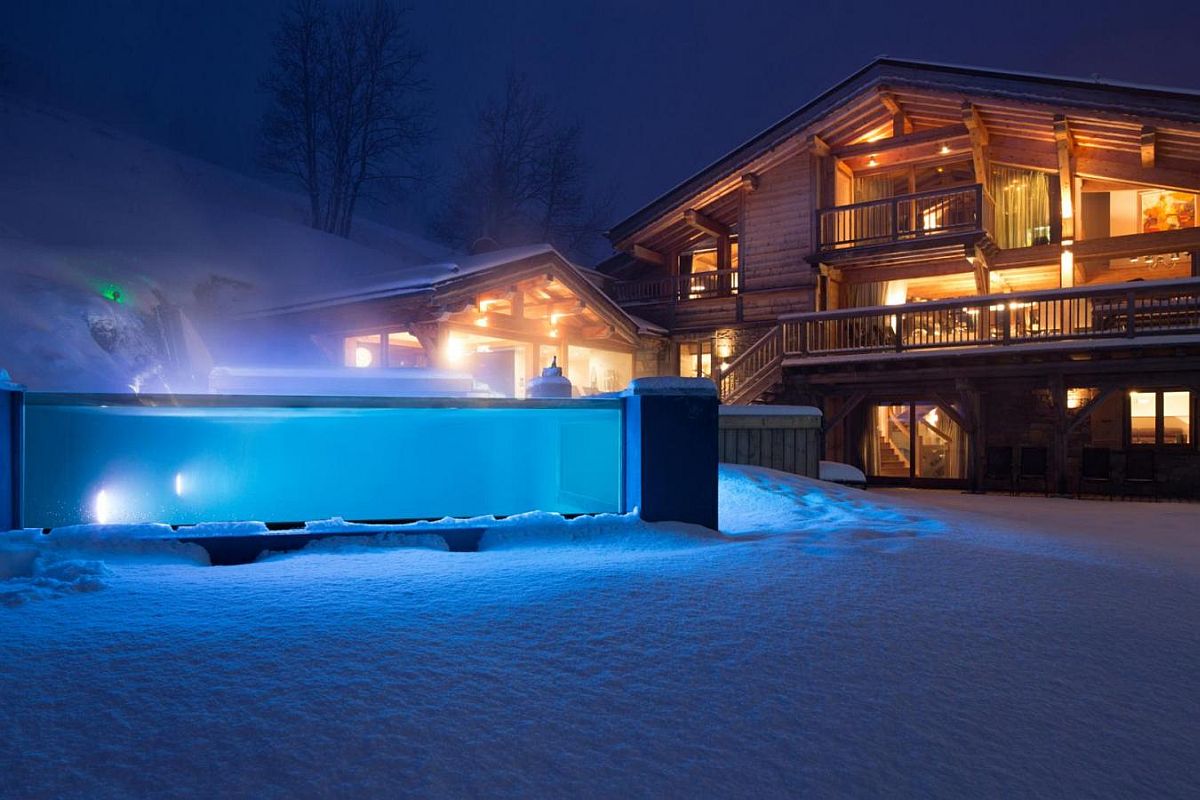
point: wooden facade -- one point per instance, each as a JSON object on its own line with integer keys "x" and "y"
{"x": 952, "y": 263}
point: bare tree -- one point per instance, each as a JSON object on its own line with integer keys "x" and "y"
{"x": 522, "y": 180}
{"x": 346, "y": 114}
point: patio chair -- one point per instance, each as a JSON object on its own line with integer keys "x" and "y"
{"x": 998, "y": 466}
{"x": 1140, "y": 472}
{"x": 1095, "y": 468}
{"x": 1033, "y": 465}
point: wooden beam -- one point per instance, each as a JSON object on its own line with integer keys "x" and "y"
{"x": 983, "y": 271}
{"x": 750, "y": 182}
{"x": 1147, "y": 146}
{"x": 978, "y": 133}
{"x": 1093, "y": 164}
{"x": 975, "y": 126}
{"x": 901, "y": 124}
{"x": 1064, "y": 144}
{"x": 928, "y": 136}
{"x": 1083, "y": 413}
{"x": 851, "y": 403}
{"x": 642, "y": 253}
{"x": 818, "y": 146}
{"x": 702, "y": 222}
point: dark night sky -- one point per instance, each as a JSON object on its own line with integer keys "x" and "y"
{"x": 663, "y": 88}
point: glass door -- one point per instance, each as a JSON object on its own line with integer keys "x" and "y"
{"x": 915, "y": 441}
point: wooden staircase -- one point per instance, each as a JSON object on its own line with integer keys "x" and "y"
{"x": 892, "y": 462}
{"x": 756, "y": 373}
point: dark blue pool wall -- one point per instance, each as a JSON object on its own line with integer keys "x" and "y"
{"x": 11, "y": 439}
{"x": 666, "y": 468}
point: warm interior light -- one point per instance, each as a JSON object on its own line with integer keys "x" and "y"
{"x": 1067, "y": 269}
{"x": 454, "y": 350}
{"x": 554, "y": 333}
{"x": 945, "y": 149}
{"x": 932, "y": 416}
{"x": 555, "y": 317}
{"x": 482, "y": 322}
{"x": 871, "y": 162}
{"x": 363, "y": 357}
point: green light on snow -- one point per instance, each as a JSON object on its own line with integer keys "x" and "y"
{"x": 113, "y": 292}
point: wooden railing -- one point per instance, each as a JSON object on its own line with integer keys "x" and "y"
{"x": 902, "y": 218}
{"x": 759, "y": 364}
{"x": 1100, "y": 312}
{"x": 1116, "y": 311}
{"x": 677, "y": 288}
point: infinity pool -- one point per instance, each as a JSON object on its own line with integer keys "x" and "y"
{"x": 124, "y": 459}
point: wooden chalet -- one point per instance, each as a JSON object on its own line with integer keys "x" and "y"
{"x": 501, "y": 316}
{"x": 982, "y": 278}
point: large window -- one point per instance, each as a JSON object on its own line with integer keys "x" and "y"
{"x": 1160, "y": 417}
{"x": 695, "y": 359}
{"x": 1022, "y": 200}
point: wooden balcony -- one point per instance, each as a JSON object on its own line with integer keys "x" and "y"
{"x": 1116, "y": 311}
{"x": 677, "y": 288}
{"x": 909, "y": 218}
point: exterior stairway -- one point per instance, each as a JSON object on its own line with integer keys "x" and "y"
{"x": 755, "y": 373}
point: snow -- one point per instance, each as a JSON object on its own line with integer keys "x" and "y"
{"x": 838, "y": 472}
{"x": 84, "y": 207}
{"x": 829, "y": 642}
{"x": 763, "y": 410}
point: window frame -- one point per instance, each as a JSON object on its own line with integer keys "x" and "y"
{"x": 1160, "y": 417}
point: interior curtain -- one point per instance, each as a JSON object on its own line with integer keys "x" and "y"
{"x": 863, "y": 295}
{"x": 872, "y": 187}
{"x": 1022, "y": 206}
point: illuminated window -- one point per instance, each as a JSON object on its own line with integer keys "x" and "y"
{"x": 366, "y": 351}
{"x": 404, "y": 350}
{"x": 701, "y": 263}
{"x": 363, "y": 351}
{"x": 695, "y": 359}
{"x": 1160, "y": 418}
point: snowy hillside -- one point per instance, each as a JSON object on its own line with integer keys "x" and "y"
{"x": 96, "y": 227}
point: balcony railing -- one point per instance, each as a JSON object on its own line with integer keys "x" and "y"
{"x": 676, "y": 288}
{"x": 1126, "y": 310}
{"x": 903, "y": 218}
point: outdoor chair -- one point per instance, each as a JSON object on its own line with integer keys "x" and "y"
{"x": 1032, "y": 465}
{"x": 1140, "y": 472}
{"x": 998, "y": 466}
{"x": 1095, "y": 468}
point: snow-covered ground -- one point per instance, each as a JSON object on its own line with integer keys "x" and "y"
{"x": 830, "y": 642}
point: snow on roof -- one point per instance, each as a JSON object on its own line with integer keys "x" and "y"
{"x": 412, "y": 280}
{"x": 763, "y": 410}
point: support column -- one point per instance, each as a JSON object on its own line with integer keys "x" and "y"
{"x": 1058, "y": 462}
{"x": 671, "y": 450}
{"x": 12, "y": 446}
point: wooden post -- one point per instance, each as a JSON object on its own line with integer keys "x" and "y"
{"x": 1065, "y": 147}
{"x": 1058, "y": 396}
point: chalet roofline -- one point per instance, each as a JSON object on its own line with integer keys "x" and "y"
{"x": 1159, "y": 102}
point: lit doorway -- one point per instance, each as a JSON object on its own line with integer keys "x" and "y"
{"x": 914, "y": 443}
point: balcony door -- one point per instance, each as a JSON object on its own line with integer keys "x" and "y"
{"x": 915, "y": 443}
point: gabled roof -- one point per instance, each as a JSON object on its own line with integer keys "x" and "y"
{"x": 466, "y": 274}
{"x": 1102, "y": 96}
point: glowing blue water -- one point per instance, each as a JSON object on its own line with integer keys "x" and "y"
{"x": 182, "y": 465}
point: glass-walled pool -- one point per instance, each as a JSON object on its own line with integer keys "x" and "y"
{"x": 123, "y": 459}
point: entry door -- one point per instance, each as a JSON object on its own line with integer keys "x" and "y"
{"x": 915, "y": 441}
